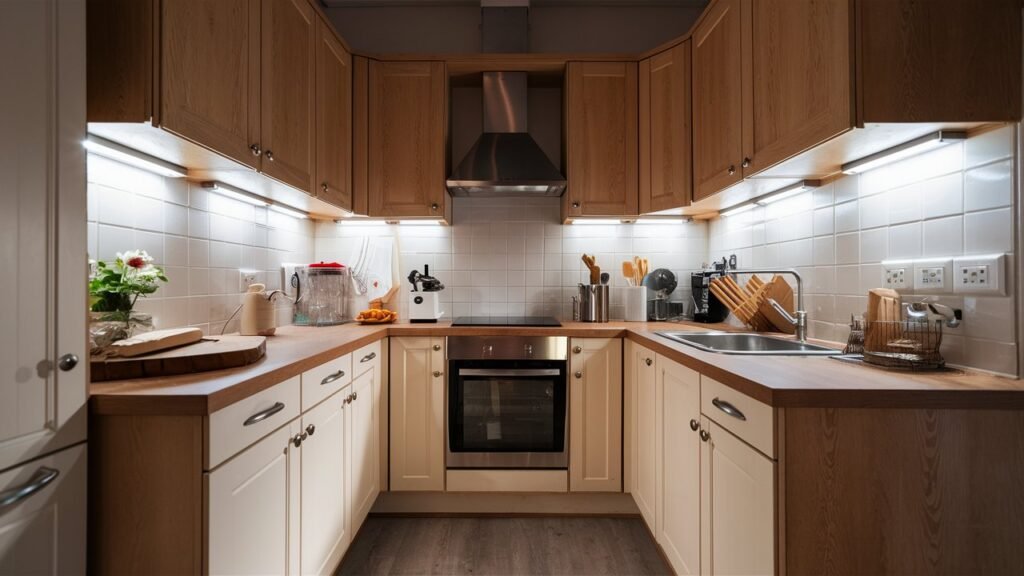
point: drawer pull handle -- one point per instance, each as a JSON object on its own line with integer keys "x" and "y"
{"x": 694, "y": 425}
{"x": 39, "y": 480}
{"x": 437, "y": 373}
{"x": 729, "y": 409}
{"x": 704, "y": 435}
{"x": 263, "y": 415}
{"x": 310, "y": 429}
{"x": 332, "y": 377}
{"x": 369, "y": 357}
{"x": 437, "y": 347}
{"x": 648, "y": 361}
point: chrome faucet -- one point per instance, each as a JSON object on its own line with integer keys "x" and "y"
{"x": 800, "y": 320}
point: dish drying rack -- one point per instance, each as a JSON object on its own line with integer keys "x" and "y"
{"x": 908, "y": 344}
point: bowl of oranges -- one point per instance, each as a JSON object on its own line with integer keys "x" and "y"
{"x": 377, "y": 316}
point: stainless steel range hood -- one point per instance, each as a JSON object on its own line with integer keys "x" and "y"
{"x": 505, "y": 160}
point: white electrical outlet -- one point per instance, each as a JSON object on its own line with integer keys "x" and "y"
{"x": 246, "y": 278}
{"x": 933, "y": 276}
{"x": 896, "y": 275}
{"x": 980, "y": 275}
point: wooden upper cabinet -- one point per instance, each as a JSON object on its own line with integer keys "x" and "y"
{"x": 717, "y": 98}
{"x": 800, "y": 93}
{"x": 939, "y": 61}
{"x": 210, "y": 72}
{"x": 287, "y": 91}
{"x": 406, "y": 139}
{"x": 666, "y": 144}
{"x": 601, "y": 136}
{"x": 333, "y": 119}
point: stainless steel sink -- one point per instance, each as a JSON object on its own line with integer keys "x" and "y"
{"x": 745, "y": 343}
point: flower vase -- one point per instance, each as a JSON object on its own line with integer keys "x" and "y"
{"x": 105, "y": 328}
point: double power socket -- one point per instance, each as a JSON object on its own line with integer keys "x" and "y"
{"x": 963, "y": 275}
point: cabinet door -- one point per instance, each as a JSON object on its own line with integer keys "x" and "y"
{"x": 43, "y": 532}
{"x": 333, "y": 119}
{"x": 210, "y": 74}
{"x": 717, "y": 98}
{"x": 363, "y": 450}
{"x": 417, "y": 414}
{"x": 595, "y": 415}
{"x": 253, "y": 508}
{"x": 737, "y": 505}
{"x": 406, "y": 139}
{"x": 801, "y": 78}
{"x": 666, "y": 151}
{"x": 325, "y": 484}
{"x": 287, "y": 94}
{"x": 646, "y": 432}
{"x": 42, "y": 179}
{"x": 678, "y": 458}
{"x": 601, "y": 148}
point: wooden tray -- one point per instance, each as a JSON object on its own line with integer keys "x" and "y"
{"x": 213, "y": 353}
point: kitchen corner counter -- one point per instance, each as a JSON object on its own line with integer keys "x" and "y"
{"x": 781, "y": 381}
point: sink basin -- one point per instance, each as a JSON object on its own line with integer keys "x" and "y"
{"x": 744, "y": 343}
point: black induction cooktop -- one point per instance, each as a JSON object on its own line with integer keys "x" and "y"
{"x": 506, "y": 321}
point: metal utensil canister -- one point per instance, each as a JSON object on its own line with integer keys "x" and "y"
{"x": 593, "y": 302}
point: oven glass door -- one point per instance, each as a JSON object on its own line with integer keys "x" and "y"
{"x": 507, "y": 414}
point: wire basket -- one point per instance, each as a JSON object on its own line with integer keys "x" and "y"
{"x": 909, "y": 344}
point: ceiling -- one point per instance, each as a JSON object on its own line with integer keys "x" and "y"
{"x": 581, "y": 3}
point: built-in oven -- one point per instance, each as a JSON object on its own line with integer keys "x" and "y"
{"x": 507, "y": 402}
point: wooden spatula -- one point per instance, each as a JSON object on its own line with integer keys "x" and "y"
{"x": 629, "y": 272}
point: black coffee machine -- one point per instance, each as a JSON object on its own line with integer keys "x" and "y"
{"x": 706, "y": 307}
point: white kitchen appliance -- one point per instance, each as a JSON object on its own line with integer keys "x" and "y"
{"x": 424, "y": 300}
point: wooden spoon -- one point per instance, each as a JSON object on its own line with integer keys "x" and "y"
{"x": 629, "y": 272}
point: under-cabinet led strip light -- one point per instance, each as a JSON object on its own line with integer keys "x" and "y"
{"x": 103, "y": 147}
{"x": 905, "y": 150}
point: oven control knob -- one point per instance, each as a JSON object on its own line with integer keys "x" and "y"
{"x": 528, "y": 349}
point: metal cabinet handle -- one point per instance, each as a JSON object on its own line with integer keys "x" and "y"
{"x": 67, "y": 362}
{"x": 732, "y": 169}
{"x": 332, "y": 377}
{"x": 263, "y": 415}
{"x": 576, "y": 349}
{"x": 368, "y": 357}
{"x": 648, "y": 361}
{"x": 37, "y": 482}
{"x": 437, "y": 347}
{"x": 437, "y": 374}
{"x": 310, "y": 429}
{"x": 704, "y": 436}
{"x": 255, "y": 149}
{"x": 729, "y": 409}
{"x": 746, "y": 163}
{"x": 578, "y": 374}
{"x": 298, "y": 438}
{"x": 575, "y": 204}
{"x": 434, "y": 207}
{"x": 269, "y": 154}
{"x": 694, "y": 424}
{"x": 355, "y": 396}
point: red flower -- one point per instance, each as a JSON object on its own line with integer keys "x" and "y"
{"x": 136, "y": 262}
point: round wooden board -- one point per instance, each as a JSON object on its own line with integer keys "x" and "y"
{"x": 212, "y": 353}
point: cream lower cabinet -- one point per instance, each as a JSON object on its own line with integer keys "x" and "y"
{"x": 363, "y": 469}
{"x": 326, "y": 512}
{"x": 417, "y": 394}
{"x": 737, "y": 505}
{"x": 595, "y": 415}
{"x": 677, "y": 457}
{"x": 253, "y": 504}
{"x": 42, "y": 515}
{"x": 641, "y": 377}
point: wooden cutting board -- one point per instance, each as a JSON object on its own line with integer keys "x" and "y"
{"x": 214, "y": 353}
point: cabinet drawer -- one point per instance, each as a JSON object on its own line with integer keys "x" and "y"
{"x": 326, "y": 379}
{"x": 749, "y": 419}
{"x": 243, "y": 423}
{"x": 365, "y": 358}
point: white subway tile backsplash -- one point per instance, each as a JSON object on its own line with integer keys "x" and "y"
{"x": 989, "y": 186}
{"x": 929, "y": 206}
{"x": 113, "y": 239}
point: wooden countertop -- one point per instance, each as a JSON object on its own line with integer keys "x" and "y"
{"x": 784, "y": 381}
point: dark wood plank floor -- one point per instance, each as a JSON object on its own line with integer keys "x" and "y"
{"x": 500, "y": 546}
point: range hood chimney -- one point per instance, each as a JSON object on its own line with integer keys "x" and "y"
{"x": 505, "y": 160}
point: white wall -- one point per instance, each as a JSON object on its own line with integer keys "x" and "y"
{"x": 512, "y": 257}
{"x": 201, "y": 240}
{"x": 954, "y": 201}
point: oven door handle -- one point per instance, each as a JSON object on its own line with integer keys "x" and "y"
{"x": 513, "y": 372}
